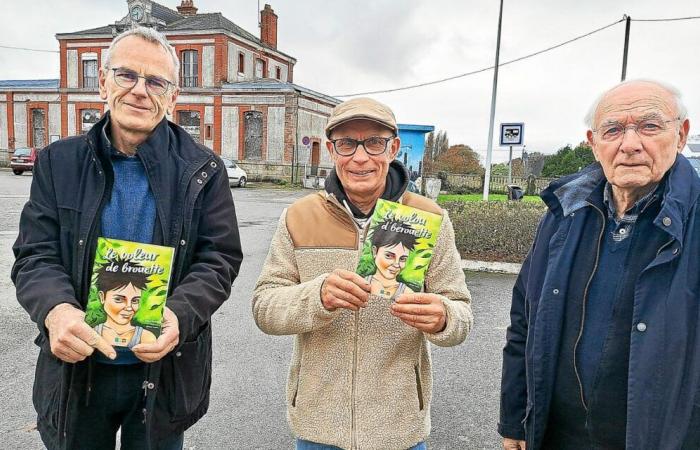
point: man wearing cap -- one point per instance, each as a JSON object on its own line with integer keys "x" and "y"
{"x": 360, "y": 375}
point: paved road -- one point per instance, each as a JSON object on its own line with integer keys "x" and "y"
{"x": 247, "y": 409}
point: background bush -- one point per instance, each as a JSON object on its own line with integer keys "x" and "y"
{"x": 494, "y": 231}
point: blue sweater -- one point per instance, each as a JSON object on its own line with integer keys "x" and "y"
{"x": 130, "y": 213}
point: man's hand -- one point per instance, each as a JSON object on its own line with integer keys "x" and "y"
{"x": 512, "y": 444}
{"x": 424, "y": 312}
{"x": 344, "y": 289}
{"x": 166, "y": 342}
{"x": 71, "y": 339}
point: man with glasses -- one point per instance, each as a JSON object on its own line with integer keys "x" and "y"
{"x": 360, "y": 375}
{"x": 603, "y": 349}
{"x": 138, "y": 177}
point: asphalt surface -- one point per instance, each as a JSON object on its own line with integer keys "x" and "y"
{"x": 247, "y": 408}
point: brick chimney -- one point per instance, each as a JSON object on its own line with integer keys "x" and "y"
{"x": 187, "y": 8}
{"x": 268, "y": 27}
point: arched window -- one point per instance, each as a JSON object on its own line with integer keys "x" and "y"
{"x": 253, "y": 134}
{"x": 190, "y": 69}
{"x": 191, "y": 122}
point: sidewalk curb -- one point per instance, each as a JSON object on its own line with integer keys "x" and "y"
{"x": 490, "y": 266}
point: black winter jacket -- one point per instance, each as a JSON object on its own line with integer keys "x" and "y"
{"x": 55, "y": 250}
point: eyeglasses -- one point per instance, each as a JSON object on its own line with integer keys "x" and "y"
{"x": 374, "y": 145}
{"x": 613, "y": 131}
{"x": 127, "y": 79}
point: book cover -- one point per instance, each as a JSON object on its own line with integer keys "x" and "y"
{"x": 398, "y": 248}
{"x": 128, "y": 288}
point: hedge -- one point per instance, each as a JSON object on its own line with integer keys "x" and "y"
{"x": 494, "y": 231}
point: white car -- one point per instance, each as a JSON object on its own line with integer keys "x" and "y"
{"x": 236, "y": 175}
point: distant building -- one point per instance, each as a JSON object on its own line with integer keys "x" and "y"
{"x": 237, "y": 91}
{"x": 413, "y": 147}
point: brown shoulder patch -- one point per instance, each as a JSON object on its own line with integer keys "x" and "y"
{"x": 420, "y": 202}
{"x": 313, "y": 222}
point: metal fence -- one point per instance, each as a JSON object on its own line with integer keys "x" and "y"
{"x": 457, "y": 183}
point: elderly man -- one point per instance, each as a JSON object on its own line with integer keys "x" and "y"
{"x": 134, "y": 176}
{"x": 360, "y": 375}
{"x": 603, "y": 350}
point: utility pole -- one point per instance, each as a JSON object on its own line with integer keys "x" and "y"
{"x": 628, "y": 21}
{"x": 489, "y": 149}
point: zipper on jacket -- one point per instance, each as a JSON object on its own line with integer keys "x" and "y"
{"x": 583, "y": 311}
{"x": 359, "y": 241}
{"x": 353, "y": 430}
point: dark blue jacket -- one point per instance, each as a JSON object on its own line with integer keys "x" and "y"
{"x": 55, "y": 252}
{"x": 663, "y": 402}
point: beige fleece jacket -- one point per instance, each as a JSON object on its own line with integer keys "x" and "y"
{"x": 357, "y": 380}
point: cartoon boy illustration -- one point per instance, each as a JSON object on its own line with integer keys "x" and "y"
{"x": 120, "y": 295}
{"x": 390, "y": 250}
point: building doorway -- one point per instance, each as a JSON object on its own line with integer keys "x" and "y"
{"x": 315, "y": 157}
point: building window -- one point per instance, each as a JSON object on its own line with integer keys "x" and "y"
{"x": 278, "y": 73}
{"x": 259, "y": 68}
{"x": 241, "y": 62}
{"x": 189, "y": 68}
{"x": 253, "y": 123}
{"x": 90, "y": 74}
{"x": 190, "y": 121}
{"x": 88, "y": 118}
{"x": 38, "y": 128}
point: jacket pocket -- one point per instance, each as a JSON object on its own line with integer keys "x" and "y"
{"x": 47, "y": 387}
{"x": 188, "y": 379}
{"x": 419, "y": 388}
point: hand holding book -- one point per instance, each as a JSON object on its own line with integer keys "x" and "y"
{"x": 166, "y": 342}
{"x": 71, "y": 339}
{"x": 425, "y": 312}
{"x": 344, "y": 289}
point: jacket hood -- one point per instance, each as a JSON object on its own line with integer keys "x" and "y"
{"x": 681, "y": 192}
{"x": 396, "y": 183}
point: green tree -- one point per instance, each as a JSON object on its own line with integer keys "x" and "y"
{"x": 568, "y": 160}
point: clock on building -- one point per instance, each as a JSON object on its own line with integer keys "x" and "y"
{"x": 137, "y": 13}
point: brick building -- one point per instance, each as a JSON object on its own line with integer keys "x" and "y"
{"x": 237, "y": 95}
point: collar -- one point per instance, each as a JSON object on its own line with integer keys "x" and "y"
{"x": 639, "y": 206}
{"x": 396, "y": 183}
{"x": 151, "y": 150}
{"x": 680, "y": 193}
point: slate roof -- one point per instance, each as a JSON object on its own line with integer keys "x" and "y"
{"x": 272, "y": 85}
{"x": 174, "y": 21}
{"x": 29, "y": 84}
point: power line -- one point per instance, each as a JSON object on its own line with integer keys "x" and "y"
{"x": 29, "y": 49}
{"x": 474, "y": 72}
{"x": 674, "y": 19}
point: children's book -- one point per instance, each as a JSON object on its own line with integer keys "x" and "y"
{"x": 128, "y": 288}
{"x": 398, "y": 248}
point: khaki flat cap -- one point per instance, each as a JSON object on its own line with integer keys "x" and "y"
{"x": 361, "y": 108}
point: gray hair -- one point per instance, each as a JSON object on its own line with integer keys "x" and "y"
{"x": 150, "y": 35}
{"x": 680, "y": 107}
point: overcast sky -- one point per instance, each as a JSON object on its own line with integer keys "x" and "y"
{"x": 345, "y": 47}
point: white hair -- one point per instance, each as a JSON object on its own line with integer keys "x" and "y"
{"x": 149, "y": 35}
{"x": 681, "y": 110}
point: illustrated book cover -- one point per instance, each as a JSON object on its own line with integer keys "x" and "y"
{"x": 128, "y": 289}
{"x": 398, "y": 248}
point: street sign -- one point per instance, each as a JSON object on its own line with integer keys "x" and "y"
{"x": 512, "y": 134}
{"x": 305, "y": 140}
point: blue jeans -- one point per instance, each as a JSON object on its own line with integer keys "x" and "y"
{"x": 308, "y": 445}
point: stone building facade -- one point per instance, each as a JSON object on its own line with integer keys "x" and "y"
{"x": 237, "y": 96}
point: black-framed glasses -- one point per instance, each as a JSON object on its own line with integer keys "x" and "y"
{"x": 374, "y": 145}
{"x": 613, "y": 131}
{"x": 127, "y": 79}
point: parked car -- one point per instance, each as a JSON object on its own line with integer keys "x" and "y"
{"x": 23, "y": 160}
{"x": 236, "y": 175}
